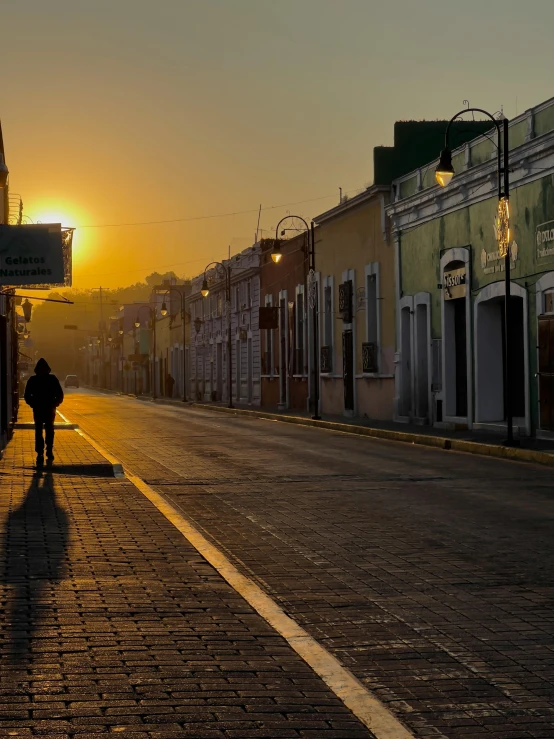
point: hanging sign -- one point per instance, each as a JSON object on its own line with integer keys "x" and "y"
{"x": 454, "y": 283}
{"x": 31, "y": 255}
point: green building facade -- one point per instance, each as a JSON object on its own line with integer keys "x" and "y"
{"x": 450, "y": 285}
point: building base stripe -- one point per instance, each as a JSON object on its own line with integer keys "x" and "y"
{"x": 361, "y": 702}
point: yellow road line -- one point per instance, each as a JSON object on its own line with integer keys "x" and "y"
{"x": 118, "y": 470}
{"x": 363, "y": 704}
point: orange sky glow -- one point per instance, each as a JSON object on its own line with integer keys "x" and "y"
{"x": 181, "y": 112}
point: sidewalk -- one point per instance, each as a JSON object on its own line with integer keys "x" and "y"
{"x": 112, "y": 621}
{"x": 472, "y": 442}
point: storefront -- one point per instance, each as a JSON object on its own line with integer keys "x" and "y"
{"x": 451, "y": 323}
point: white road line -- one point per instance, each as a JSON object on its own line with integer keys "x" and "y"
{"x": 363, "y": 704}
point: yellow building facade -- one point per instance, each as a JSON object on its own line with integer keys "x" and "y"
{"x": 355, "y": 265}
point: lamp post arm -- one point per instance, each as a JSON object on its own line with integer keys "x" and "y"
{"x": 501, "y": 191}
{"x": 286, "y": 219}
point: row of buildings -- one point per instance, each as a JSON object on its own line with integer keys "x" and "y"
{"x": 409, "y": 292}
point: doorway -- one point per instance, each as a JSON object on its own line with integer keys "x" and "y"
{"x": 490, "y": 327}
{"x": 249, "y": 371}
{"x": 238, "y": 371}
{"x": 546, "y": 372}
{"x": 283, "y": 358}
{"x": 455, "y": 344}
{"x": 422, "y": 345}
{"x": 348, "y": 369}
{"x": 219, "y": 370}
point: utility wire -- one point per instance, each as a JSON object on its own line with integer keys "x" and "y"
{"x": 207, "y": 217}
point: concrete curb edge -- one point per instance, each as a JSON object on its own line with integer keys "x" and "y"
{"x": 436, "y": 442}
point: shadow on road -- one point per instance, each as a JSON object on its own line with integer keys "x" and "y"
{"x": 82, "y": 470}
{"x": 34, "y": 546}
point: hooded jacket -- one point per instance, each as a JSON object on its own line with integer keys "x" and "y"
{"x": 43, "y": 391}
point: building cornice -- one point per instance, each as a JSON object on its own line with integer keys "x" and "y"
{"x": 358, "y": 200}
{"x": 529, "y": 162}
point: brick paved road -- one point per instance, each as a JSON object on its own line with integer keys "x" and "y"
{"x": 429, "y": 574}
{"x": 111, "y": 622}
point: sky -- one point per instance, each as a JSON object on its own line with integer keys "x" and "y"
{"x": 120, "y": 112}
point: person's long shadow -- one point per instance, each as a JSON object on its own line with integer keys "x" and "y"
{"x": 35, "y": 541}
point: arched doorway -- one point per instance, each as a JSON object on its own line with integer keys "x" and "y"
{"x": 490, "y": 338}
{"x": 456, "y": 336}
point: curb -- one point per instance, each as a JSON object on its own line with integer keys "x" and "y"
{"x": 436, "y": 442}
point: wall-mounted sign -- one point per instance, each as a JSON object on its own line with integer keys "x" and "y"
{"x": 545, "y": 239}
{"x": 31, "y": 255}
{"x": 454, "y": 283}
{"x": 493, "y": 261}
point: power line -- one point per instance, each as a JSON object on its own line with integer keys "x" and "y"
{"x": 207, "y": 217}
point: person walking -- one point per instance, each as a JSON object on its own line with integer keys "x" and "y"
{"x": 44, "y": 394}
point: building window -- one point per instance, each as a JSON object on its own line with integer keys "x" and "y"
{"x": 371, "y": 350}
{"x": 300, "y": 346}
{"x": 237, "y": 298}
{"x": 328, "y": 316}
{"x": 249, "y": 294}
{"x": 267, "y": 361}
{"x": 326, "y": 341}
{"x": 549, "y": 301}
{"x": 219, "y": 308}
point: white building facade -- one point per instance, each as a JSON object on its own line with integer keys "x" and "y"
{"x": 209, "y": 368}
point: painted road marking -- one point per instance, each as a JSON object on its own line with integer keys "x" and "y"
{"x": 363, "y": 704}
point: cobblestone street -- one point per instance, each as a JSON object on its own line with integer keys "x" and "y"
{"x": 112, "y": 622}
{"x": 428, "y": 574}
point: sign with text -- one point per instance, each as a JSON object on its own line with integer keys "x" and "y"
{"x": 454, "y": 283}
{"x": 545, "y": 240}
{"x": 31, "y": 255}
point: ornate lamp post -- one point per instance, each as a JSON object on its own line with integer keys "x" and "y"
{"x": 205, "y": 292}
{"x": 443, "y": 174}
{"x": 163, "y": 311}
{"x": 152, "y": 313}
{"x": 276, "y": 256}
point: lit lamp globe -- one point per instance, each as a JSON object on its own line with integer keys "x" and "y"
{"x": 205, "y": 289}
{"x": 164, "y": 309}
{"x": 444, "y": 171}
{"x": 121, "y": 332}
{"x": 276, "y": 254}
{"x": 137, "y": 322}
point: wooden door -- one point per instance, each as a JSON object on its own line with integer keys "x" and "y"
{"x": 546, "y": 372}
{"x": 348, "y": 370}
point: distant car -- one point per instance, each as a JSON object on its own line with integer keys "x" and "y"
{"x": 71, "y": 381}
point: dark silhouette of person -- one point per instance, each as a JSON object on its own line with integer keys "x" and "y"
{"x": 44, "y": 394}
{"x": 33, "y": 559}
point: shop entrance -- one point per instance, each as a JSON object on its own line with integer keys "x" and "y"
{"x": 490, "y": 348}
{"x": 546, "y": 372}
{"x": 455, "y": 357}
{"x": 348, "y": 369}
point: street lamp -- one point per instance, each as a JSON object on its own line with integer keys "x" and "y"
{"x": 164, "y": 311}
{"x": 443, "y": 174}
{"x": 276, "y": 256}
{"x": 205, "y": 291}
{"x": 152, "y": 312}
